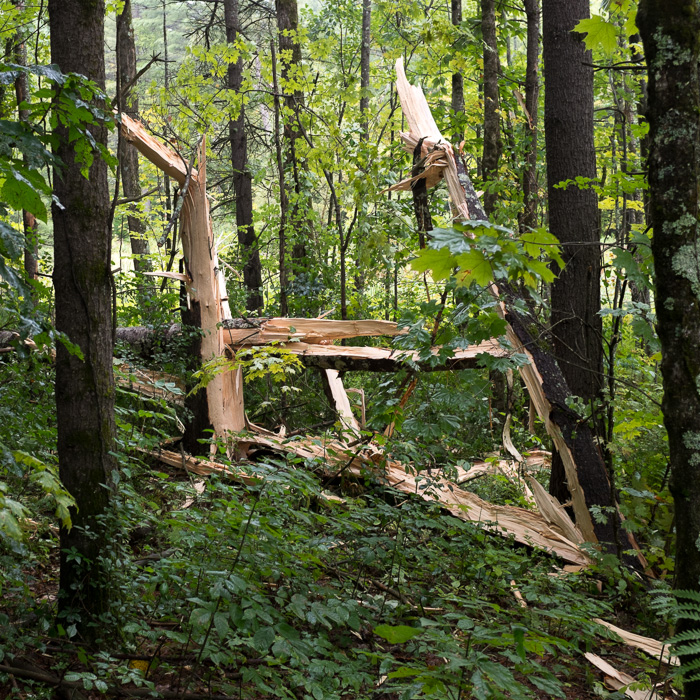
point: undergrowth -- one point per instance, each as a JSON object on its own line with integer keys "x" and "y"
{"x": 275, "y": 590}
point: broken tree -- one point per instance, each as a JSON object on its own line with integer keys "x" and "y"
{"x": 585, "y": 469}
{"x": 219, "y": 408}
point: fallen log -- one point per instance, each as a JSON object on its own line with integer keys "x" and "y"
{"x": 146, "y": 341}
{"x": 310, "y": 330}
{"x": 370, "y": 359}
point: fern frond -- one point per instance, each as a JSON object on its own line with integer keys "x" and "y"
{"x": 687, "y": 594}
{"x": 691, "y": 649}
{"x": 686, "y": 613}
{"x": 686, "y": 636}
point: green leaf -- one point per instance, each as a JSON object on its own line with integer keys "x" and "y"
{"x": 18, "y": 193}
{"x": 396, "y": 634}
{"x": 439, "y": 262}
{"x": 287, "y": 631}
{"x": 600, "y": 34}
{"x": 474, "y": 267}
{"x": 405, "y": 672}
{"x": 263, "y": 639}
{"x": 11, "y": 243}
{"x": 221, "y": 624}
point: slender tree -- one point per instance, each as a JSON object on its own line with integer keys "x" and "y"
{"x": 671, "y": 35}
{"x": 573, "y": 209}
{"x": 83, "y": 287}
{"x": 128, "y": 155}
{"x": 242, "y": 179}
{"x": 287, "y": 14}
{"x": 528, "y": 217}
{"x": 31, "y": 248}
{"x": 493, "y": 145}
{"x": 364, "y": 66}
{"x": 457, "y": 78}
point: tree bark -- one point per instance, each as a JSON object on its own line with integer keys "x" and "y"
{"x": 528, "y": 217}
{"x": 242, "y": 179}
{"x": 493, "y": 146}
{"x": 31, "y": 246}
{"x": 364, "y": 66}
{"x": 670, "y": 33}
{"x": 457, "y": 78}
{"x": 290, "y": 59}
{"x": 83, "y": 286}
{"x": 128, "y": 155}
{"x": 573, "y": 210}
{"x": 284, "y": 203}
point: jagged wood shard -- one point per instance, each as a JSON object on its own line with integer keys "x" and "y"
{"x": 204, "y": 281}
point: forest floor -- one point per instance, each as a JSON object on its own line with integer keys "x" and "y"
{"x": 270, "y": 589}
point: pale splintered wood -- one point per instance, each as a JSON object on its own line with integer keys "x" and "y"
{"x": 619, "y": 680}
{"x": 224, "y": 391}
{"x": 390, "y": 358}
{"x": 310, "y": 330}
{"x": 351, "y": 428}
{"x": 421, "y": 124}
{"x": 204, "y": 281}
{"x": 154, "y": 150}
{"x": 649, "y": 645}
{"x": 525, "y": 526}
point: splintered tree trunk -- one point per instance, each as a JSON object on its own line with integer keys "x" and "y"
{"x": 242, "y": 179}
{"x": 573, "y": 210}
{"x": 128, "y": 155}
{"x": 219, "y": 406}
{"x": 493, "y": 145}
{"x": 528, "y": 217}
{"x": 670, "y": 32}
{"x": 84, "y": 386}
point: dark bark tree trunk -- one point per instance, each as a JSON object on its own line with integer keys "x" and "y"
{"x": 457, "y": 78}
{"x": 83, "y": 286}
{"x": 284, "y": 203}
{"x": 31, "y": 247}
{"x": 573, "y": 210}
{"x": 242, "y": 179}
{"x": 128, "y": 155}
{"x": 528, "y": 217}
{"x": 493, "y": 146}
{"x": 364, "y": 66}
{"x": 290, "y": 59}
{"x": 670, "y": 33}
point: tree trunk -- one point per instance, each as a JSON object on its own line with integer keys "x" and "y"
{"x": 573, "y": 210}
{"x": 493, "y": 146}
{"x": 670, "y": 32}
{"x": 128, "y": 155}
{"x": 364, "y": 66}
{"x": 457, "y": 78}
{"x": 284, "y": 204}
{"x": 31, "y": 247}
{"x": 242, "y": 179}
{"x": 528, "y": 217}
{"x": 290, "y": 59}
{"x": 83, "y": 285}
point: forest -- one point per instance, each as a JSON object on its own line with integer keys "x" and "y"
{"x": 349, "y": 350}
